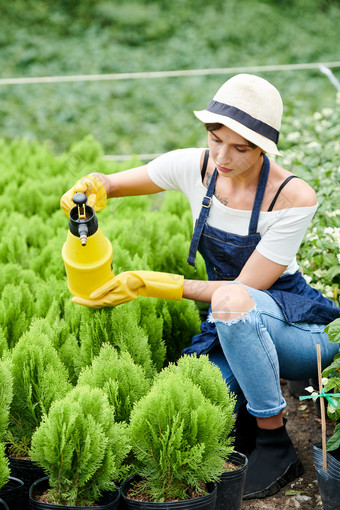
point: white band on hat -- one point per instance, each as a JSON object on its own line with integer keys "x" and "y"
{"x": 244, "y": 118}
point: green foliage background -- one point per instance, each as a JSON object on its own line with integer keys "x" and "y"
{"x": 65, "y": 37}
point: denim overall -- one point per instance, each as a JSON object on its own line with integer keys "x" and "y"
{"x": 225, "y": 254}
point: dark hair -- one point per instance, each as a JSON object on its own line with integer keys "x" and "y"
{"x": 215, "y": 126}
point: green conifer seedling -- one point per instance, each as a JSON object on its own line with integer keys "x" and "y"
{"x": 178, "y": 438}
{"x": 16, "y": 311}
{"x": 39, "y": 378}
{"x": 123, "y": 381}
{"x": 4, "y": 466}
{"x": 66, "y": 345}
{"x": 6, "y": 394}
{"x": 81, "y": 447}
{"x": 120, "y": 328}
{"x": 208, "y": 378}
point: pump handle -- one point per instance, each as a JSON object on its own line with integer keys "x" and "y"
{"x": 79, "y": 198}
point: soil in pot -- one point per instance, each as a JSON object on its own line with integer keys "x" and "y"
{"x": 205, "y": 502}
{"x": 13, "y": 494}
{"x": 328, "y": 479}
{"x": 231, "y": 485}
{"x": 109, "y": 500}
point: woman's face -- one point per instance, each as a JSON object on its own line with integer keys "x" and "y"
{"x": 232, "y": 154}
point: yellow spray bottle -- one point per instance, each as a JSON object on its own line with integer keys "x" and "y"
{"x": 87, "y": 253}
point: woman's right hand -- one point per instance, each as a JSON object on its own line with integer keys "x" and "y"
{"x": 95, "y": 192}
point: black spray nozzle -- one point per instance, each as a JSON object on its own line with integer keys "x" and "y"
{"x": 83, "y": 231}
{"x": 83, "y": 222}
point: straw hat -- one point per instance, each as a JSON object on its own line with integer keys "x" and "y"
{"x": 250, "y": 106}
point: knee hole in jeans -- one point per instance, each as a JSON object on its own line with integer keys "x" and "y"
{"x": 230, "y": 302}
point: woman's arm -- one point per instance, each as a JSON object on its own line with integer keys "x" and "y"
{"x": 259, "y": 273}
{"x": 135, "y": 181}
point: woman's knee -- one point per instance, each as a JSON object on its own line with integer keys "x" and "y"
{"x": 231, "y": 301}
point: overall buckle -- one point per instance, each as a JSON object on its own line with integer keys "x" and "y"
{"x": 209, "y": 204}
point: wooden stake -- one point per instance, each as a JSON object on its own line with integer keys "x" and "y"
{"x": 322, "y": 409}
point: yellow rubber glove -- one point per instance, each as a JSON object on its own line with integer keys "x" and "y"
{"x": 129, "y": 285}
{"x": 95, "y": 192}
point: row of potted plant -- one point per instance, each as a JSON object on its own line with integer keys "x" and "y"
{"x": 174, "y": 435}
{"x": 171, "y": 430}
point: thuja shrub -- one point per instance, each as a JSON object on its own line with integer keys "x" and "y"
{"x": 16, "y": 311}
{"x": 14, "y": 273}
{"x": 64, "y": 342}
{"x": 151, "y": 321}
{"x": 122, "y": 380}
{"x": 39, "y": 378}
{"x": 178, "y": 439}
{"x": 3, "y": 343}
{"x": 181, "y": 323}
{"x": 208, "y": 378}
{"x": 49, "y": 292}
{"x": 6, "y": 394}
{"x": 4, "y": 466}
{"x": 119, "y": 327}
{"x": 81, "y": 447}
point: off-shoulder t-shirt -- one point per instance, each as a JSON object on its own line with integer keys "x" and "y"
{"x": 281, "y": 230}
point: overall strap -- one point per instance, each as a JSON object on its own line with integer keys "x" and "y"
{"x": 261, "y": 187}
{"x": 205, "y": 164}
{"x": 280, "y": 189}
{"x": 206, "y": 204}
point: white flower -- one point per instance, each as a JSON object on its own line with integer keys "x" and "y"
{"x": 317, "y": 116}
{"x": 311, "y": 390}
{"x": 333, "y": 213}
{"x": 312, "y": 145}
{"x": 320, "y": 273}
{"x": 327, "y": 112}
{"x": 307, "y": 278}
{"x": 324, "y": 381}
{"x": 328, "y": 292}
{"x": 291, "y": 137}
{"x": 335, "y": 233}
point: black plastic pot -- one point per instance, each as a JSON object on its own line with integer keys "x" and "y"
{"x": 328, "y": 479}
{"x": 27, "y": 471}
{"x": 231, "y": 485}
{"x": 109, "y": 500}
{"x": 297, "y": 388}
{"x": 13, "y": 494}
{"x": 207, "y": 502}
{"x": 3, "y": 505}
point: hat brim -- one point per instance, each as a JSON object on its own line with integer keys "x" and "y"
{"x": 261, "y": 141}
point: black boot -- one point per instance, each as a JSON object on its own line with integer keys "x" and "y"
{"x": 272, "y": 465}
{"x": 245, "y": 431}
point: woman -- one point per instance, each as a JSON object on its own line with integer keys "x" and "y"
{"x": 250, "y": 216}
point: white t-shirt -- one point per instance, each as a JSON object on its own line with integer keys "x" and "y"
{"x": 281, "y": 231}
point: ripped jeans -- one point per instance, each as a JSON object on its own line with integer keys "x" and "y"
{"x": 258, "y": 347}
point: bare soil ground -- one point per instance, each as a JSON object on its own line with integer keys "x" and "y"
{"x": 304, "y": 428}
